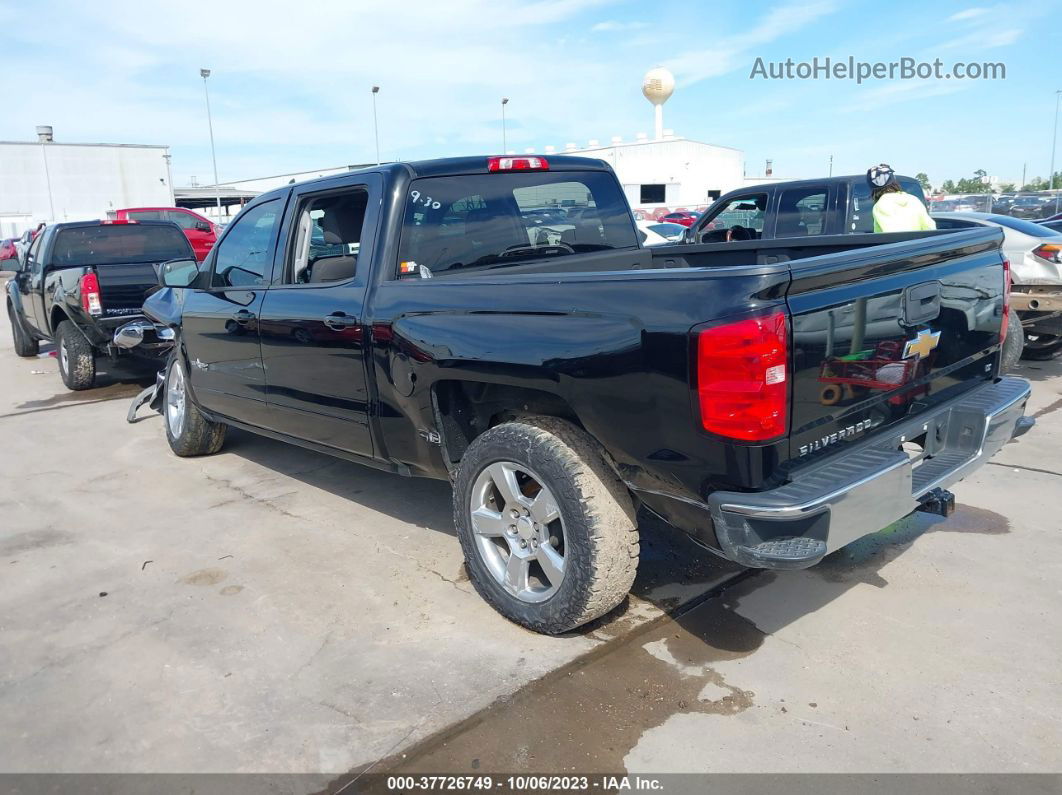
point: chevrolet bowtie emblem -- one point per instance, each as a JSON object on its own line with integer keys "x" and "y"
{"x": 922, "y": 345}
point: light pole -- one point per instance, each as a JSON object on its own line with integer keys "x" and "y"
{"x": 1054, "y": 140}
{"x": 831, "y": 166}
{"x": 505, "y": 143}
{"x": 205, "y": 73}
{"x": 375, "y": 127}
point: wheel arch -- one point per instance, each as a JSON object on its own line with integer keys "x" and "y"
{"x": 465, "y": 409}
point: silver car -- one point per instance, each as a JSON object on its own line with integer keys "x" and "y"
{"x": 1031, "y": 248}
{"x": 1035, "y": 254}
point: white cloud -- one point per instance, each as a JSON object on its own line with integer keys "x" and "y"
{"x": 286, "y": 82}
{"x": 984, "y": 39}
{"x": 724, "y": 54}
{"x": 612, "y": 26}
{"x": 874, "y": 99}
{"x": 969, "y": 13}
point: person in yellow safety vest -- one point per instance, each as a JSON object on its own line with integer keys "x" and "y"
{"x": 895, "y": 210}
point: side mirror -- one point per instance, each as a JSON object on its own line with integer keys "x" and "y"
{"x": 178, "y": 272}
{"x": 202, "y": 226}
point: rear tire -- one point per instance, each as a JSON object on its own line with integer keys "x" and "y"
{"x": 1041, "y": 347}
{"x": 77, "y": 358}
{"x": 579, "y": 547}
{"x": 1013, "y": 345}
{"x": 25, "y": 345}
{"x": 188, "y": 431}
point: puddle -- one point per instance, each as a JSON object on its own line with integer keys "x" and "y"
{"x": 861, "y": 559}
{"x": 589, "y": 714}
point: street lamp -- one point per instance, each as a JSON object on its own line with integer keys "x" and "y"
{"x": 1054, "y": 140}
{"x": 505, "y": 145}
{"x": 205, "y": 73}
{"x": 375, "y": 127}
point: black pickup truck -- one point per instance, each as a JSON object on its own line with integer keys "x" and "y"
{"x": 776, "y": 403}
{"x": 78, "y": 282}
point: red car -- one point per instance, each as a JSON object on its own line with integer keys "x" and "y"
{"x": 7, "y": 249}
{"x": 683, "y": 217}
{"x": 201, "y": 233}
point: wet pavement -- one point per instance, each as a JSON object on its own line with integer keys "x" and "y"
{"x": 925, "y": 647}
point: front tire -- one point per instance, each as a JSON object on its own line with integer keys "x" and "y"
{"x": 188, "y": 431}
{"x": 77, "y": 358}
{"x": 25, "y": 345}
{"x": 547, "y": 528}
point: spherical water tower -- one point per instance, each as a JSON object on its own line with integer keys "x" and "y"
{"x": 658, "y": 85}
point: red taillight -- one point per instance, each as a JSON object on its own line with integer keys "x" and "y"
{"x": 741, "y": 378}
{"x": 517, "y": 164}
{"x": 113, "y": 221}
{"x": 1052, "y": 252}
{"x": 1006, "y": 301}
{"x": 90, "y": 294}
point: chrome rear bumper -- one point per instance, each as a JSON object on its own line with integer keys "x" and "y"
{"x": 866, "y": 487}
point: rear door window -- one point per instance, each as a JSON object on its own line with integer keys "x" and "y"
{"x": 328, "y": 237}
{"x": 802, "y": 212}
{"x": 475, "y": 222}
{"x": 112, "y": 244}
{"x": 146, "y": 215}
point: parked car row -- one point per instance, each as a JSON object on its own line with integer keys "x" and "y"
{"x": 1026, "y": 206}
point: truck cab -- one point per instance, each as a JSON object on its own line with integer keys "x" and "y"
{"x": 801, "y": 208}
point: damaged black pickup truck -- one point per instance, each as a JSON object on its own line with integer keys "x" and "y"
{"x": 775, "y": 399}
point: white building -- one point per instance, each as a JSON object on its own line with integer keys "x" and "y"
{"x": 670, "y": 172}
{"x": 47, "y": 181}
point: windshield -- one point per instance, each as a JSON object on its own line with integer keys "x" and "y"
{"x": 472, "y": 222}
{"x": 109, "y": 244}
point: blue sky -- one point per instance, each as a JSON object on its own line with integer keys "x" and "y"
{"x": 290, "y": 88}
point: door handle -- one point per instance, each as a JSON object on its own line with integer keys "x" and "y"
{"x": 243, "y": 316}
{"x": 337, "y": 321}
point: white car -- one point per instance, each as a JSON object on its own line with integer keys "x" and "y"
{"x": 1035, "y": 254}
{"x": 649, "y": 236}
{"x": 1033, "y": 250}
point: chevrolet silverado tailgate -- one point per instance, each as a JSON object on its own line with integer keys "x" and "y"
{"x": 891, "y": 331}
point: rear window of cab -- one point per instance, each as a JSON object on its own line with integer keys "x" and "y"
{"x": 468, "y": 223}
{"x": 109, "y": 244}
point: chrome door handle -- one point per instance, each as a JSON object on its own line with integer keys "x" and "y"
{"x": 337, "y": 321}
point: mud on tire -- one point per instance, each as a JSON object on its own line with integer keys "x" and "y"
{"x": 1013, "y": 344}
{"x": 77, "y": 358}
{"x": 188, "y": 431}
{"x": 601, "y": 537}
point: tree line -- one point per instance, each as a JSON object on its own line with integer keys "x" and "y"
{"x": 976, "y": 184}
